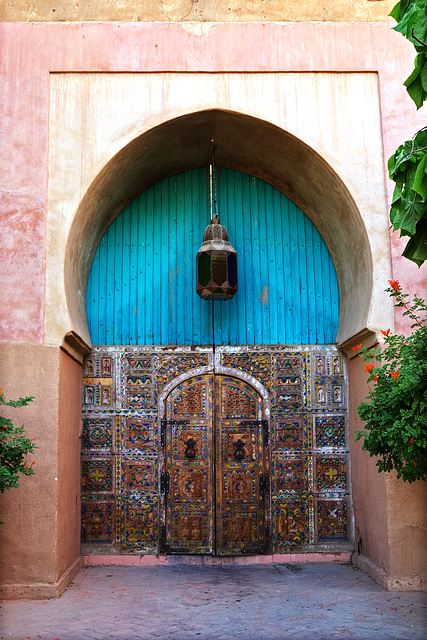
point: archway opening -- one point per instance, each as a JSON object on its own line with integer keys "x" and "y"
{"x": 246, "y": 144}
{"x": 142, "y": 283}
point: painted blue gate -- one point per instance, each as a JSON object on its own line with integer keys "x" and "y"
{"x": 142, "y": 286}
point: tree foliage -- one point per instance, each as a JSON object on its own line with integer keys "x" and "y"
{"x": 14, "y": 447}
{"x": 408, "y": 165}
{"x": 395, "y": 411}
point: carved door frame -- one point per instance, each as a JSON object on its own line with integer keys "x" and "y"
{"x": 263, "y": 484}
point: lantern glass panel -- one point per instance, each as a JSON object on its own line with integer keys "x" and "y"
{"x": 219, "y": 267}
{"x": 232, "y": 269}
{"x": 204, "y": 269}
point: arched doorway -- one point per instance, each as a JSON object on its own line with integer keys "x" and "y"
{"x": 215, "y": 489}
{"x": 287, "y": 349}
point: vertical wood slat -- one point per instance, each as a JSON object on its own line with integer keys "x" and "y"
{"x": 141, "y": 287}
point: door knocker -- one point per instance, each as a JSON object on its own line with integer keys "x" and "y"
{"x": 190, "y": 451}
{"x": 239, "y": 449}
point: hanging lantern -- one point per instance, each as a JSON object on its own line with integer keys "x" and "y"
{"x": 216, "y": 264}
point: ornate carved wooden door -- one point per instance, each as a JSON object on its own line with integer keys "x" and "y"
{"x": 215, "y": 476}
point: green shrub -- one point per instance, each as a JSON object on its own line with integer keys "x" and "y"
{"x": 14, "y": 447}
{"x": 395, "y": 411}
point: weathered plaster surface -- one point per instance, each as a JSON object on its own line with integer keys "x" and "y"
{"x": 40, "y": 518}
{"x": 199, "y": 10}
{"x": 31, "y": 51}
{"x": 385, "y": 509}
{"x": 93, "y": 117}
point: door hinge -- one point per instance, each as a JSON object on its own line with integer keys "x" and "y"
{"x": 264, "y": 485}
{"x": 266, "y": 432}
{"x": 162, "y": 536}
{"x": 267, "y": 538}
{"x": 163, "y": 433}
{"x": 164, "y": 483}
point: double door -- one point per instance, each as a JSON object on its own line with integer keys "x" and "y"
{"x": 214, "y": 479}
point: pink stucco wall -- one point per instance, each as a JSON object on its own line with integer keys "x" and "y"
{"x": 30, "y": 52}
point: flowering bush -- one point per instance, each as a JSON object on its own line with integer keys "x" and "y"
{"x": 14, "y": 446}
{"x": 395, "y": 411}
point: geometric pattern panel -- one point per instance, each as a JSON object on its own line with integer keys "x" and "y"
{"x": 331, "y": 473}
{"x": 330, "y": 431}
{"x": 331, "y": 520}
{"x": 98, "y": 518}
{"x": 308, "y": 459}
{"x": 290, "y": 522}
{"x": 289, "y": 475}
{"x": 140, "y": 523}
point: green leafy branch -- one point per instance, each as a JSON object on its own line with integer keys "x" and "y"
{"x": 14, "y": 447}
{"x": 408, "y": 165}
{"x": 395, "y": 411}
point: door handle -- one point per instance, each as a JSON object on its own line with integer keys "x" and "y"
{"x": 261, "y": 485}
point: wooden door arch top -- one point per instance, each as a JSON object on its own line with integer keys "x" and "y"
{"x": 223, "y": 371}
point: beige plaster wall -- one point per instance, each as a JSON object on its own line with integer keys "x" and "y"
{"x": 196, "y": 10}
{"x": 94, "y": 116}
{"x": 407, "y": 525}
{"x": 69, "y": 476}
{"x": 40, "y": 530}
{"x": 368, "y": 486}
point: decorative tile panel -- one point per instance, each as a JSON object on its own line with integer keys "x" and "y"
{"x": 97, "y": 433}
{"x": 289, "y": 475}
{"x": 331, "y": 473}
{"x": 171, "y": 366}
{"x": 140, "y": 524}
{"x": 98, "y": 475}
{"x": 97, "y": 520}
{"x": 331, "y": 520}
{"x": 308, "y": 446}
{"x": 289, "y": 431}
{"x": 139, "y": 433}
{"x": 138, "y": 475}
{"x": 290, "y": 522}
{"x": 330, "y": 431}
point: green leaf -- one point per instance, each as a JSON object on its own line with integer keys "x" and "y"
{"x": 420, "y": 179}
{"x": 414, "y": 83}
{"x": 416, "y": 249}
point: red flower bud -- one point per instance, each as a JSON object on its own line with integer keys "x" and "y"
{"x": 394, "y": 284}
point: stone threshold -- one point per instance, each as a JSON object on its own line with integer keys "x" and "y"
{"x": 174, "y": 560}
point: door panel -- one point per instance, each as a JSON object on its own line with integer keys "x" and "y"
{"x": 187, "y": 475}
{"x": 214, "y": 481}
{"x": 240, "y": 465}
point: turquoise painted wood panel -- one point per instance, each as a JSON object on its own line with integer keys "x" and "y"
{"x": 142, "y": 290}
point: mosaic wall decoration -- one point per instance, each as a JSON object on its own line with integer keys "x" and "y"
{"x": 307, "y": 452}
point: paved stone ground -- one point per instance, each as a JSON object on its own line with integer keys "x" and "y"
{"x": 314, "y": 601}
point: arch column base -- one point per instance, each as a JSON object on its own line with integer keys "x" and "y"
{"x": 385, "y": 580}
